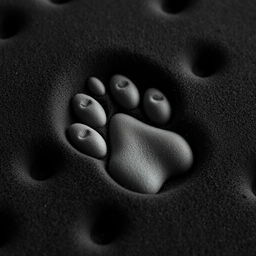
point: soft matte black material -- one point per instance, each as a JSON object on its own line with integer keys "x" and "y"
{"x": 200, "y": 53}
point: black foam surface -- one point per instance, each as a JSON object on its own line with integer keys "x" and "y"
{"x": 57, "y": 201}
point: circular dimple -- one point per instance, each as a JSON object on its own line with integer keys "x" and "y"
{"x": 206, "y": 61}
{"x": 89, "y": 111}
{"x": 96, "y": 87}
{"x": 87, "y": 140}
{"x": 175, "y": 6}
{"x": 8, "y": 228}
{"x": 122, "y": 84}
{"x": 157, "y": 97}
{"x": 45, "y": 161}
{"x": 156, "y": 106}
{"x": 11, "y": 22}
{"x": 59, "y": 1}
{"x": 86, "y": 103}
{"x": 124, "y": 92}
{"x": 84, "y": 134}
{"x": 108, "y": 226}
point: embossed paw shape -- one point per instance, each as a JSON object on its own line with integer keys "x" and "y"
{"x": 140, "y": 157}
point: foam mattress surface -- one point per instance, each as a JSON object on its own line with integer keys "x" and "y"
{"x": 127, "y": 127}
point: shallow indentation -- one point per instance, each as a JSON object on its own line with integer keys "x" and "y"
{"x": 175, "y": 6}
{"x": 250, "y": 178}
{"x": 108, "y": 225}
{"x": 45, "y": 161}
{"x": 59, "y": 1}
{"x": 11, "y": 22}
{"x": 141, "y": 157}
{"x": 207, "y": 60}
{"x": 7, "y": 228}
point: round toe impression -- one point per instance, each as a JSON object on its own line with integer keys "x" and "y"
{"x": 124, "y": 92}
{"x": 89, "y": 111}
{"x": 157, "y": 106}
{"x": 96, "y": 86}
{"x": 87, "y": 140}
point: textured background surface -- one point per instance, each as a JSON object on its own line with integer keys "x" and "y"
{"x": 55, "y": 201}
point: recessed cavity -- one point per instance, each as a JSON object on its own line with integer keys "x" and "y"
{"x": 11, "y": 22}
{"x": 45, "y": 162}
{"x": 84, "y": 134}
{"x": 123, "y": 84}
{"x": 175, "y": 6}
{"x": 206, "y": 61}
{"x": 8, "y": 228}
{"x": 59, "y": 1}
{"x": 108, "y": 226}
{"x": 157, "y": 97}
{"x": 140, "y": 156}
{"x": 86, "y": 103}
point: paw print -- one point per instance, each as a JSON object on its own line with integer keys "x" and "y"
{"x": 139, "y": 156}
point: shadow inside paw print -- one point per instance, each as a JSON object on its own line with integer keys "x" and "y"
{"x": 140, "y": 156}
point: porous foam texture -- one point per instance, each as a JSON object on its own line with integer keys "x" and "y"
{"x": 60, "y": 198}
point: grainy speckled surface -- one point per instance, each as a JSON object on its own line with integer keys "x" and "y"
{"x": 55, "y": 201}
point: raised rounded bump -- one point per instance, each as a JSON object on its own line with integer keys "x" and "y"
{"x": 144, "y": 157}
{"x": 156, "y": 106}
{"x": 89, "y": 111}
{"x": 87, "y": 140}
{"x": 96, "y": 86}
{"x": 124, "y": 92}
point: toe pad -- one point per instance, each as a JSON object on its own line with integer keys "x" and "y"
{"x": 89, "y": 111}
{"x": 87, "y": 140}
{"x": 124, "y": 92}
